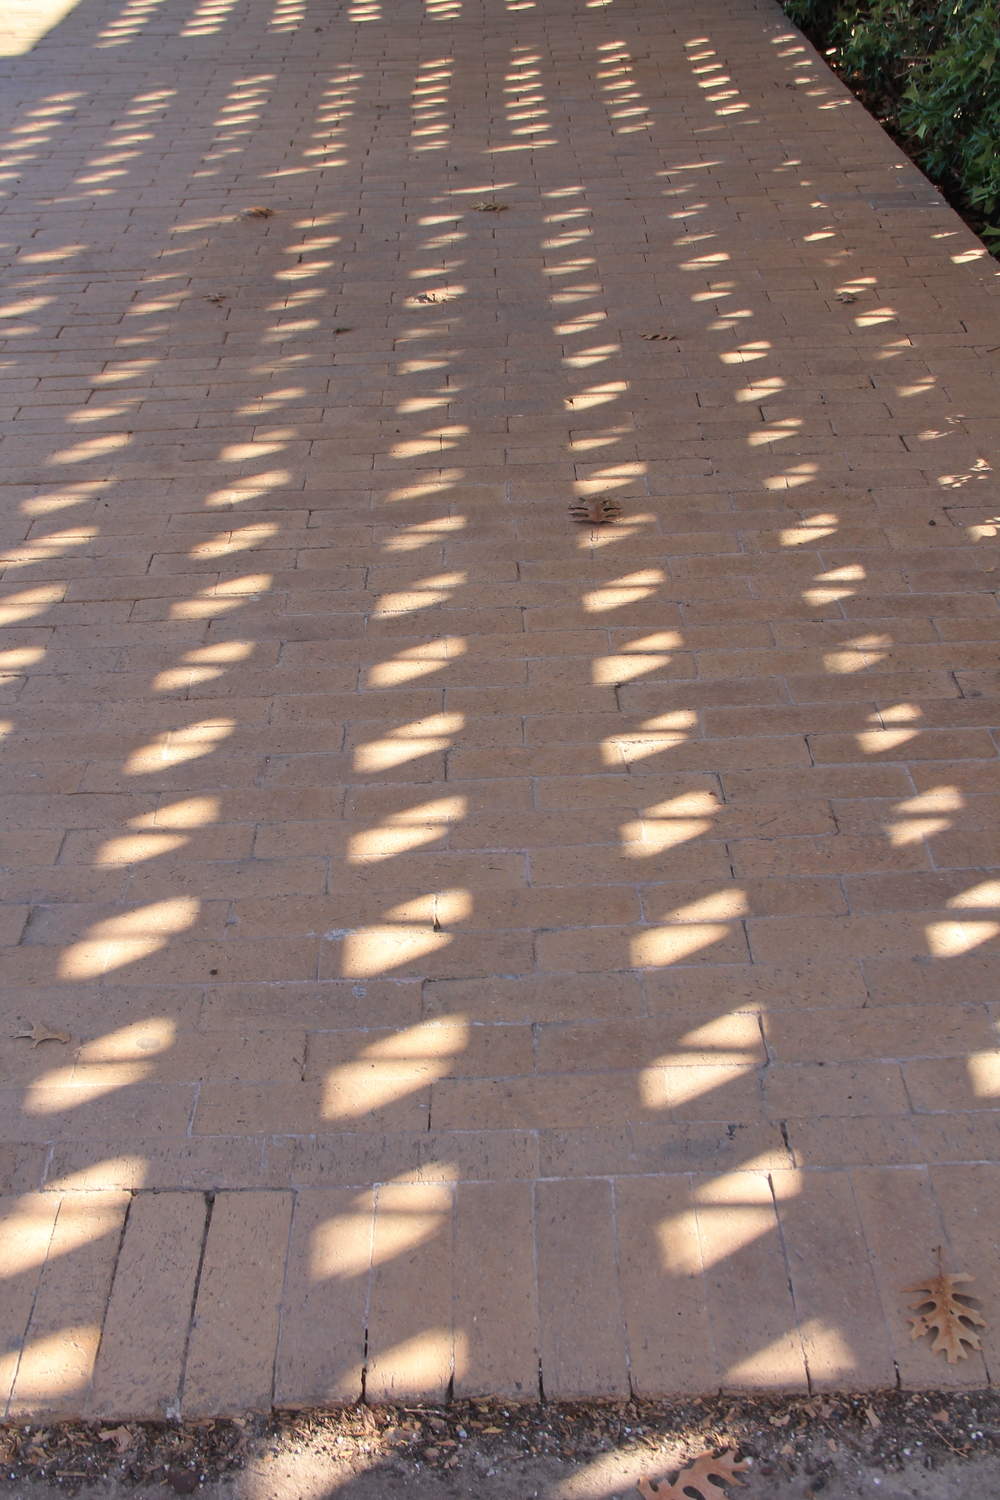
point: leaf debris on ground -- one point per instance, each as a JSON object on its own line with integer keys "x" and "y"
{"x": 39, "y": 1032}
{"x": 704, "y": 1475}
{"x": 490, "y": 208}
{"x": 814, "y": 1438}
{"x": 122, "y": 1437}
{"x": 597, "y": 509}
{"x": 946, "y": 1313}
{"x": 258, "y": 211}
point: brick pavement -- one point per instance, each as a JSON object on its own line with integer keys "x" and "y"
{"x": 495, "y": 950}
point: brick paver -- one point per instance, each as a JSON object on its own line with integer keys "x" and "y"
{"x": 496, "y": 950}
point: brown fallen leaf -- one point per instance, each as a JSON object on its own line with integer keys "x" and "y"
{"x": 704, "y": 1475}
{"x": 120, "y": 1436}
{"x": 490, "y": 208}
{"x": 873, "y": 1416}
{"x": 947, "y": 1315}
{"x": 652, "y": 337}
{"x": 598, "y": 509}
{"x": 39, "y": 1032}
{"x": 258, "y": 211}
{"x": 183, "y": 1481}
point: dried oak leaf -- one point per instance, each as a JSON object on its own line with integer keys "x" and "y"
{"x": 704, "y": 1475}
{"x": 598, "y": 509}
{"x": 182, "y": 1481}
{"x": 946, "y": 1315}
{"x": 258, "y": 211}
{"x": 490, "y": 208}
{"x": 120, "y": 1436}
{"x": 39, "y": 1032}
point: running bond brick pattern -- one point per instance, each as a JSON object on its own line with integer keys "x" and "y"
{"x": 496, "y": 950}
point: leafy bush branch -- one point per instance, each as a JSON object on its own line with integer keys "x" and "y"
{"x": 930, "y": 71}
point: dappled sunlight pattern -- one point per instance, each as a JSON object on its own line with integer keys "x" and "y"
{"x": 626, "y": 110}
{"x": 398, "y": 1064}
{"x": 121, "y": 940}
{"x": 730, "y": 1212}
{"x": 45, "y": 1235}
{"x": 417, "y": 869}
{"x": 666, "y": 824}
{"x": 208, "y": 18}
{"x": 425, "y": 823}
{"x": 408, "y": 742}
{"x": 288, "y": 15}
{"x": 48, "y": 1374}
{"x": 431, "y": 127}
{"x": 712, "y": 78}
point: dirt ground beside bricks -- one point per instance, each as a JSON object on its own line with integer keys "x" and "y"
{"x": 928, "y": 1446}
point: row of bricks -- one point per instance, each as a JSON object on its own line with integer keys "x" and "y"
{"x": 505, "y": 810}
{"x": 455, "y": 1048}
{"x": 358, "y": 1155}
{"x": 509, "y": 904}
{"x": 249, "y": 857}
{"x": 371, "y": 586}
{"x": 387, "y": 683}
{"x": 509, "y": 572}
{"x": 766, "y": 625}
{"x": 148, "y": 941}
{"x": 329, "y": 616}
{"x": 522, "y": 721}
{"x": 291, "y": 1308}
{"x": 702, "y": 992}
{"x": 185, "y": 449}
{"x": 367, "y": 1097}
{"x": 519, "y": 533}
{"x": 37, "y": 892}
{"x": 507, "y": 747}
{"x": 542, "y": 697}
{"x": 503, "y": 501}
{"x": 638, "y": 1148}
{"x": 594, "y": 835}
{"x": 501, "y": 577}
{"x": 755, "y": 598}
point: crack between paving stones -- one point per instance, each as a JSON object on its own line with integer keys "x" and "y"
{"x": 175, "y": 1413}
{"x": 788, "y": 1278}
{"x": 107, "y": 1301}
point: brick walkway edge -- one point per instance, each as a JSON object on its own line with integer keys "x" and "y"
{"x": 493, "y": 949}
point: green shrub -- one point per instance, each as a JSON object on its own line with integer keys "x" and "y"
{"x": 930, "y": 70}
